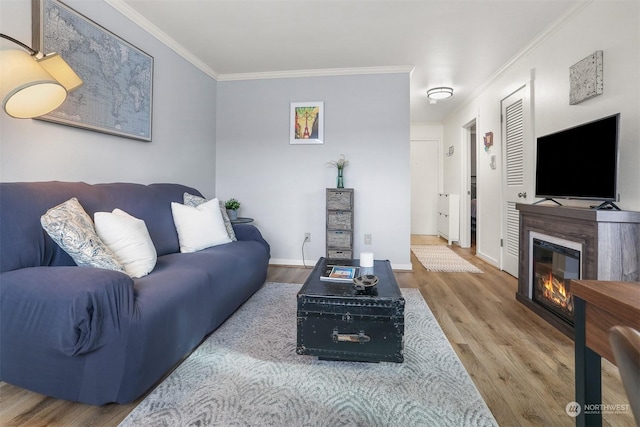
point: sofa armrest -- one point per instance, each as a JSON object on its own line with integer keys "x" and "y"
{"x": 251, "y": 232}
{"x": 73, "y": 310}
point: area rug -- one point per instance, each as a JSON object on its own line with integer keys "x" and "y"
{"x": 247, "y": 373}
{"x": 441, "y": 258}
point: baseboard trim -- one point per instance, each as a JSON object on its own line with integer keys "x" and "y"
{"x": 310, "y": 263}
{"x": 488, "y": 259}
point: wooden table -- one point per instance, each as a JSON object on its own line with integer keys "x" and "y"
{"x": 598, "y": 306}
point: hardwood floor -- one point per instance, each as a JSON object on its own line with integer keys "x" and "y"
{"x": 522, "y": 367}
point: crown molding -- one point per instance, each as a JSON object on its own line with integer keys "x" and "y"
{"x": 562, "y": 20}
{"x": 324, "y": 72}
{"x": 146, "y": 25}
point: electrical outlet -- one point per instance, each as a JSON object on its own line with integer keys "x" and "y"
{"x": 367, "y": 239}
{"x": 307, "y": 237}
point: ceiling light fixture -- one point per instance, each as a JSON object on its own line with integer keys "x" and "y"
{"x": 33, "y": 84}
{"x": 438, "y": 93}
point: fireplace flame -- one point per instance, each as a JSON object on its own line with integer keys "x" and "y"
{"x": 555, "y": 291}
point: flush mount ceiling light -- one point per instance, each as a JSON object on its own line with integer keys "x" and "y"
{"x": 438, "y": 93}
{"x": 33, "y": 84}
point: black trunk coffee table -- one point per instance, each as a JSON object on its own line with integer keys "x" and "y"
{"x": 338, "y": 322}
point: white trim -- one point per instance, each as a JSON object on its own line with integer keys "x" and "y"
{"x": 546, "y": 33}
{"x": 156, "y": 32}
{"x": 396, "y": 69}
{"x": 488, "y": 259}
{"x": 146, "y": 25}
{"x": 311, "y": 263}
{"x": 292, "y": 262}
{"x": 402, "y": 267}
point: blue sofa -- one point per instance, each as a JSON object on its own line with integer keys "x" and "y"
{"x": 97, "y": 336}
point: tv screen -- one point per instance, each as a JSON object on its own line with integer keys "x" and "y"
{"x": 580, "y": 162}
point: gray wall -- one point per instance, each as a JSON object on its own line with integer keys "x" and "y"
{"x": 184, "y": 109}
{"x": 283, "y": 186}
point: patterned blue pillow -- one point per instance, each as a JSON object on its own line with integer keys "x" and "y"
{"x": 72, "y": 229}
{"x": 194, "y": 201}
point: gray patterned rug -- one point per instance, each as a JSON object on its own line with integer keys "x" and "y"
{"x": 247, "y": 373}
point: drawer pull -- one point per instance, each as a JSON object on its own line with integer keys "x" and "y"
{"x": 359, "y": 338}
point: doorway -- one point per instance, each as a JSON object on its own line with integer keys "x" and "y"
{"x": 472, "y": 183}
{"x": 424, "y": 186}
{"x": 468, "y": 198}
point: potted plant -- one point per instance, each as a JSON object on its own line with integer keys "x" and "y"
{"x": 232, "y": 206}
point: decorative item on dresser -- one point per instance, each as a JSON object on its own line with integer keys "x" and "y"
{"x": 340, "y": 165}
{"x": 340, "y": 223}
{"x": 449, "y": 216}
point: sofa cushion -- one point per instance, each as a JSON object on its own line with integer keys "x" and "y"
{"x": 128, "y": 237}
{"x": 24, "y": 243}
{"x": 191, "y": 200}
{"x": 199, "y": 227}
{"x": 72, "y": 229}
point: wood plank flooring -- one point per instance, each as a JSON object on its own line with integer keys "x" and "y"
{"x": 522, "y": 367}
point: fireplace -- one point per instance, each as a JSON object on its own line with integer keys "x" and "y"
{"x": 554, "y": 262}
{"x": 607, "y": 240}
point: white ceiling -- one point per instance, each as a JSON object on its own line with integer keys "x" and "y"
{"x": 456, "y": 43}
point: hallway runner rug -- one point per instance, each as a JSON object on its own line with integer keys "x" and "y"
{"x": 247, "y": 373}
{"x": 442, "y": 259}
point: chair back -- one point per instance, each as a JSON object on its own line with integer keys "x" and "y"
{"x": 625, "y": 342}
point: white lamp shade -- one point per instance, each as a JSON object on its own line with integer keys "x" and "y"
{"x": 27, "y": 89}
{"x": 61, "y": 71}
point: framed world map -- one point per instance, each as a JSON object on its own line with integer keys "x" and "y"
{"x": 117, "y": 94}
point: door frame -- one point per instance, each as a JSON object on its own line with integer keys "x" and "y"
{"x": 465, "y": 180}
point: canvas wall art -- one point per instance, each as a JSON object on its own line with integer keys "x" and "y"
{"x": 586, "y": 78}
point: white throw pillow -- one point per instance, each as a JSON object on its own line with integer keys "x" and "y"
{"x": 199, "y": 227}
{"x": 72, "y": 229}
{"x": 128, "y": 237}
{"x": 192, "y": 200}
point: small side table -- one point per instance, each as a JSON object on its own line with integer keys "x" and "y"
{"x": 241, "y": 220}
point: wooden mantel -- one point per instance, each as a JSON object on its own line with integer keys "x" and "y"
{"x": 610, "y": 242}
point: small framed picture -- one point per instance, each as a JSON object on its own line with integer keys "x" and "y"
{"x": 307, "y": 123}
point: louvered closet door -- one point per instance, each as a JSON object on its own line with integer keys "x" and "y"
{"x": 517, "y": 147}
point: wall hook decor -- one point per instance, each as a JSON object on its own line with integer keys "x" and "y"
{"x": 450, "y": 152}
{"x": 488, "y": 141}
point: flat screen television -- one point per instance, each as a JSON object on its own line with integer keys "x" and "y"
{"x": 580, "y": 162}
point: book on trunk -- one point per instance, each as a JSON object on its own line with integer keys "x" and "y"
{"x": 339, "y": 273}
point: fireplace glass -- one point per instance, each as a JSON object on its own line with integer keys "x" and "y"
{"x": 553, "y": 267}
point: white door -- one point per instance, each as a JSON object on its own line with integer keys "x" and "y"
{"x": 424, "y": 186}
{"x": 517, "y": 183}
